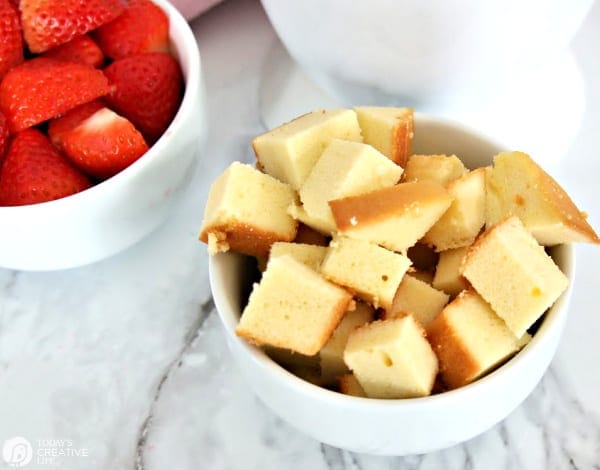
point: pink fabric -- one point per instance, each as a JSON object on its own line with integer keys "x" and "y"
{"x": 192, "y": 8}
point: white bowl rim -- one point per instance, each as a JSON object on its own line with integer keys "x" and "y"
{"x": 553, "y": 319}
{"x": 186, "y": 107}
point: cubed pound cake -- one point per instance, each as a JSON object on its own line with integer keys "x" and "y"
{"x": 344, "y": 169}
{"x": 293, "y": 307}
{"x": 246, "y": 212}
{"x": 462, "y": 222}
{"x": 331, "y": 356}
{"x": 310, "y": 255}
{"x": 513, "y": 273}
{"x": 289, "y": 151}
{"x": 439, "y": 168}
{"x": 389, "y": 130}
{"x": 469, "y": 339}
{"x": 517, "y": 185}
{"x": 372, "y": 272}
{"x": 448, "y": 275}
{"x": 392, "y": 359}
{"x": 417, "y": 298}
{"x": 348, "y": 385}
{"x": 395, "y": 217}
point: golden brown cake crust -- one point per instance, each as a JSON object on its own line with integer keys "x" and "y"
{"x": 350, "y": 212}
{"x": 402, "y": 138}
{"x": 457, "y": 366}
{"x": 244, "y": 238}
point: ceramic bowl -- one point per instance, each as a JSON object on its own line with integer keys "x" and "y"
{"x": 394, "y": 427}
{"x": 113, "y": 215}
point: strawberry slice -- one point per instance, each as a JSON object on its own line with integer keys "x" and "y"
{"x": 11, "y": 44}
{"x": 48, "y": 23}
{"x": 3, "y": 137}
{"x": 82, "y": 50}
{"x": 102, "y": 144}
{"x": 41, "y": 88}
{"x": 148, "y": 91}
{"x": 143, "y": 27}
{"x": 34, "y": 171}
{"x": 67, "y": 122}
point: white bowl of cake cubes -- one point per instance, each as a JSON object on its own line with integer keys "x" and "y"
{"x": 390, "y": 282}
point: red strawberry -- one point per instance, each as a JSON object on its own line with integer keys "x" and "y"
{"x": 82, "y": 50}
{"x": 48, "y": 23}
{"x": 11, "y": 44}
{"x": 143, "y": 27}
{"x": 103, "y": 144}
{"x": 148, "y": 91}
{"x": 34, "y": 171}
{"x": 70, "y": 120}
{"x": 3, "y": 137}
{"x": 41, "y": 88}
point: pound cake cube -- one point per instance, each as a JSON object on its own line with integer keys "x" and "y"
{"x": 310, "y": 255}
{"x": 395, "y": 217}
{"x": 516, "y": 185}
{"x": 350, "y": 386}
{"x": 392, "y": 359}
{"x": 293, "y": 307}
{"x": 289, "y": 151}
{"x": 246, "y": 212}
{"x": 439, "y": 168}
{"x": 469, "y": 339}
{"x": 417, "y": 298}
{"x": 462, "y": 222}
{"x": 513, "y": 273}
{"x": 389, "y": 130}
{"x": 331, "y": 355}
{"x": 372, "y": 272}
{"x": 345, "y": 169}
{"x": 448, "y": 275}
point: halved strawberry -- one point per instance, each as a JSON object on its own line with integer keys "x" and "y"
{"x": 11, "y": 43}
{"x": 57, "y": 127}
{"x": 103, "y": 144}
{"x": 82, "y": 50}
{"x": 148, "y": 91}
{"x": 34, "y": 171}
{"x": 48, "y": 23}
{"x": 4, "y": 134}
{"x": 143, "y": 27}
{"x": 41, "y": 88}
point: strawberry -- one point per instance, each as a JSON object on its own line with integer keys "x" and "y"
{"x": 143, "y": 27}
{"x": 148, "y": 91}
{"x": 11, "y": 44}
{"x": 34, "y": 171}
{"x": 82, "y": 50}
{"x": 102, "y": 144}
{"x": 3, "y": 137}
{"x": 67, "y": 122}
{"x": 41, "y": 88}
{"x": 48, "y": 23}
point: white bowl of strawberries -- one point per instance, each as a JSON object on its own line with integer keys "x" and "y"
{"x": 101, "y": 120}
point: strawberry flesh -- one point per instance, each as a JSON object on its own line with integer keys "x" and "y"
{"x": 49, "y": 23}
{"x": 34, "y": 171}
{"x": 103, "y": 144}
{"x": 41, "y": 88}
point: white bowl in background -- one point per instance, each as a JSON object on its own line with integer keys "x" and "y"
{"x": 393, "y": 427}
{"x": 113, "y": 215}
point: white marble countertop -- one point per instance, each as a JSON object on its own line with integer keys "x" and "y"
{"x": 123, "y": 364}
